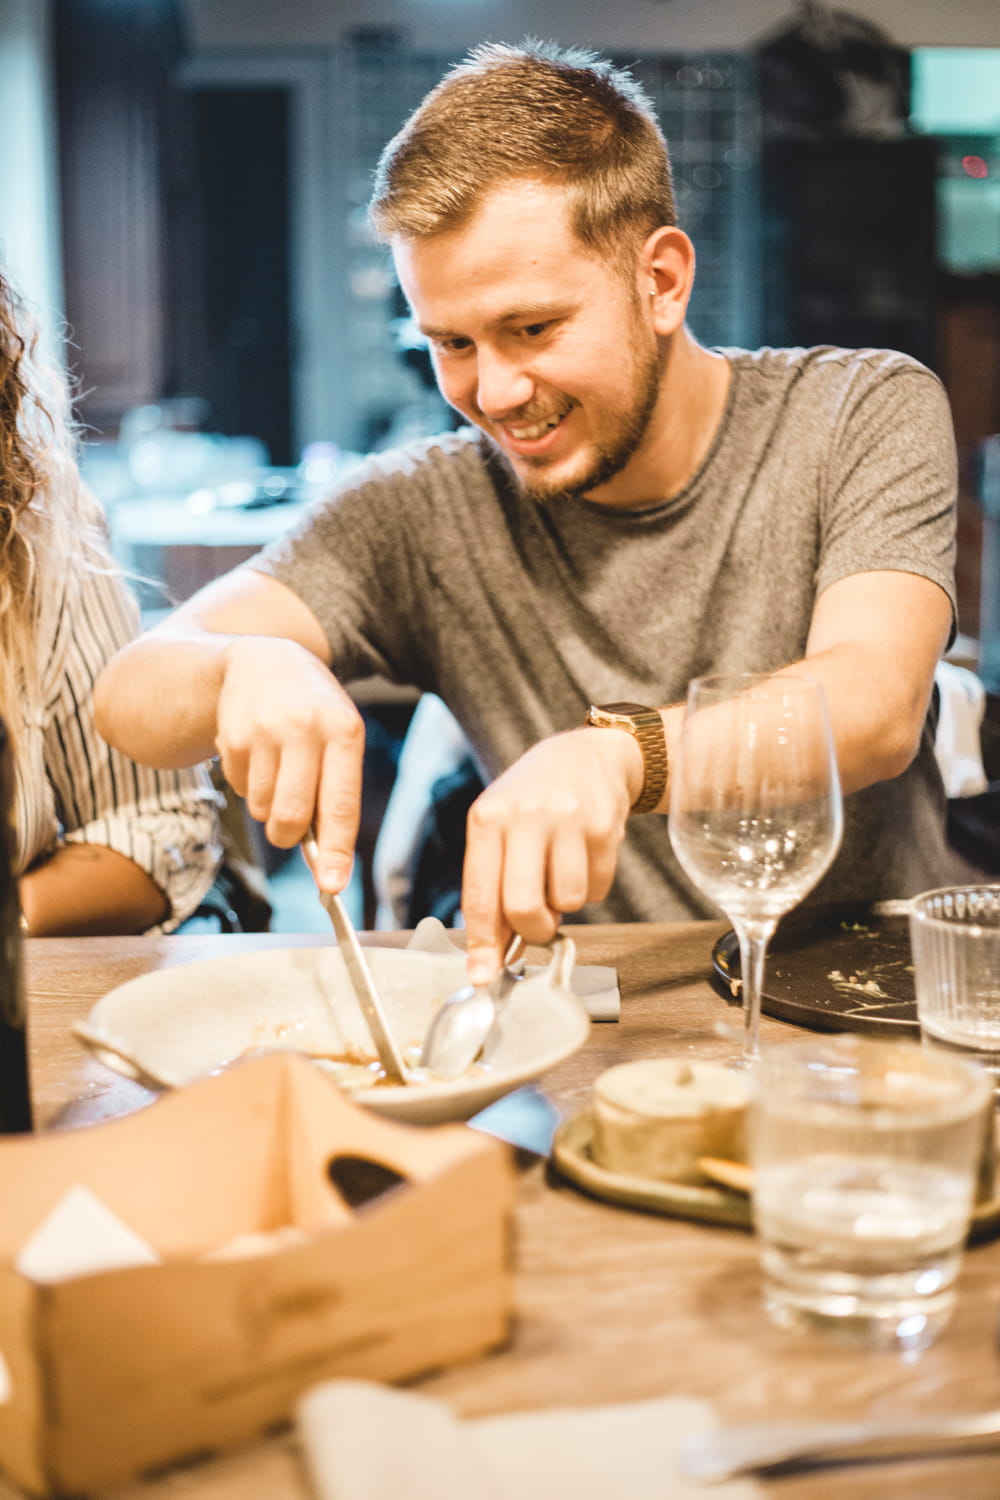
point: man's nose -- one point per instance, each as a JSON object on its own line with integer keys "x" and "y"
{"x": 503, "y": 385}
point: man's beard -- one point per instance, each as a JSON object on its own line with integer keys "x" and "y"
{"x": 612, "y": 455}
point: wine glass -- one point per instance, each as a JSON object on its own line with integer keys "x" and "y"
{"x": 755, "y": 807}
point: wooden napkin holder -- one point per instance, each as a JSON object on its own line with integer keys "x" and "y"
{"x": 115, "y": 1374}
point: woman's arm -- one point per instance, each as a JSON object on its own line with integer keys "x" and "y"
{"x": 115, "y": 847}
{"x": 83, "y": 889}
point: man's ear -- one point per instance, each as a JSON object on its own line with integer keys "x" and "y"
{"x": 666, "y": 277}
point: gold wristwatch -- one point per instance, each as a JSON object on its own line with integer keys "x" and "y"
{"x": 646, "y": 726}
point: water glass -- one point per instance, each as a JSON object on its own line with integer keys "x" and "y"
{"x": 955, "y": 937}
{"x": 865, "y": 1155}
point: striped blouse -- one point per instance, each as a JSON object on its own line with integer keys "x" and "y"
{"x": 73, "y": 788}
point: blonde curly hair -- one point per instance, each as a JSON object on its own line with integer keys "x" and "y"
{"x": 49, "y": 524}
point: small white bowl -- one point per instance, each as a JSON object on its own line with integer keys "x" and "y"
{"x": 179, "y": 1024}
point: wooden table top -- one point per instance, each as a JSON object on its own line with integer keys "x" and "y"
{"x": 612, "y": 1304}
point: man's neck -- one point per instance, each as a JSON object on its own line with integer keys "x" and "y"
{"x": 694, "y": 388}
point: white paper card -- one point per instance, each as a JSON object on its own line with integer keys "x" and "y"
{"x": 79, "y": 1236}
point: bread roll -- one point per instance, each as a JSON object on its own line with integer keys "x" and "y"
{"x": 655, "y": 1118}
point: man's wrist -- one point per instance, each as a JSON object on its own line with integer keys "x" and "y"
{"x": 645, "y": 727}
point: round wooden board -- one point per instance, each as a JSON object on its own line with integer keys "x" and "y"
{"x": 572, "y": 1155}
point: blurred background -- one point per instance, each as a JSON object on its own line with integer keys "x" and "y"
{"x": 183, "y": 187}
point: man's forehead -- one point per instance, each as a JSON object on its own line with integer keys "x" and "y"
{"x": 515, "y": 252}
{"x": 506, "y": 209}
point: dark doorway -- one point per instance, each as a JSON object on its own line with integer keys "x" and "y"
{"x": 231, "y": 343}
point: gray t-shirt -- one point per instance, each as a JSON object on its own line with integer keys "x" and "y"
{"x": 431, "y": 567}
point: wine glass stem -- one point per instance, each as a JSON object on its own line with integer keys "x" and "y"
{"x": 753, "y": 939}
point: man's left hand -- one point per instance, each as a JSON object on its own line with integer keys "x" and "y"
{"x": 543, "y": 839}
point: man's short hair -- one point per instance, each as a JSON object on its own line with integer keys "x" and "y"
{"x": 533, "y": 112}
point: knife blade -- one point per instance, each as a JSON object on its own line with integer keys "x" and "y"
{"x": 364, "y": 988}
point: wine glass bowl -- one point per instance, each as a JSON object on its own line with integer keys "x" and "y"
{"x": 755, "y": 806}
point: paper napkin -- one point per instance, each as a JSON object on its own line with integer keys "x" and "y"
{"x": 371, "y": 1442}
{"x": 595, "y": 984}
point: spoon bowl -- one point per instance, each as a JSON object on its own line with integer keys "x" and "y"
{"x": 461, "y": 1026}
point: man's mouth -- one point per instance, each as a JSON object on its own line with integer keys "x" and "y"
{"x": 531, "y": 432}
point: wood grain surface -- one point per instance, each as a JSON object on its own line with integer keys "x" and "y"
{"x": 613, "y": 1304}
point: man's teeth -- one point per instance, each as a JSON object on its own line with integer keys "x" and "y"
{"x": 537, "y": 430}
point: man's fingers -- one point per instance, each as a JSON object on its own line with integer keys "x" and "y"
{"x": 293, "y": 800}
{"x": 235, "y": 766}
{"x": 292, "y": 742}
{"x": 338, "y": 811}
{"x": 516, "y": 880}
{"x": 526, "y": 894}
{"x": 482, "y": 873}
{"x": 568, "y": 884}
{"x": 602, "y": 859}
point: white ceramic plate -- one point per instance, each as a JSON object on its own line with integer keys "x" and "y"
{"x": 182, "y": 1023}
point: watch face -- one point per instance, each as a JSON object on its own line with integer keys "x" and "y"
{"x": 624, "y": 708}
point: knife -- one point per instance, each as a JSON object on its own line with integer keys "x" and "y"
{"x": 360, "y": 976}
{"x": 364, "y": 988}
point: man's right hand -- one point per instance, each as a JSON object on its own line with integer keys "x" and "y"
{"x": 291, "y": 742}
{"x": 242, "y": 670}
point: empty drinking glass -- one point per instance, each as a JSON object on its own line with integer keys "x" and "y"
{"x": 955, "y": 937}
{"x": 755, "y": 806}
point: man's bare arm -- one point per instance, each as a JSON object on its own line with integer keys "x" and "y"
{"x": 544, "y": 837}
{"x": 158, "y": 698}
{"x": 874, "y": 643}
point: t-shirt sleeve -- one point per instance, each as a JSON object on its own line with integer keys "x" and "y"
{"x": 891, "y": 480}
{"x": 360, "y": 563}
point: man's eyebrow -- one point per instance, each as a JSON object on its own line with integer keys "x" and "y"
{"x": 438, "y": 333}
{"x": 526, "y": 312}
{"x": 535, "y": 312}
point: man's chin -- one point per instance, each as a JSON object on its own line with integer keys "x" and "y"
{"x": 581, "y": 484}
{"x": 543, "y": 482}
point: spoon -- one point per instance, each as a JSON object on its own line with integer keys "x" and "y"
{"x": 360, "y": 976}
{"x": 459, "y": 1029}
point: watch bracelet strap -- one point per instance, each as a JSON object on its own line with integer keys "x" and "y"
{"x": 653, "y": 745}
{"x": 645, "y": 725}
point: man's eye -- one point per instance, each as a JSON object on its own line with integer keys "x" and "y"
{"x": 534, "y": 330}
{"x": 452, "y": 346}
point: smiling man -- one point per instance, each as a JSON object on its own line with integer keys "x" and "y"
{"x": 554, "y": 354}
{"x": 625, "y": 510}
